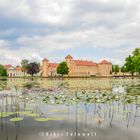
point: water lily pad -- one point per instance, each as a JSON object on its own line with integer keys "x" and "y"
{"x": 3, "y": 115}
{"x": 11, "y": 113}
{"x": 28, "y": 113}
{"x": 48, "y": 119}
{"x": 6, "y": 114}
{"x": 42, "y": 119}
{"x": 32, "y": 115}
{"x": 16, "y": 119}
{"x": 24, "y": 113}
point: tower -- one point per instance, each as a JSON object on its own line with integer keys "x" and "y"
{"x": 105, "y": 68}
{"x": 69, "y": 60}
{"x": 45, "y": 67}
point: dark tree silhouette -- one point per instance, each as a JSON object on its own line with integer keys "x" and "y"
{"x": 33, "y": 68}
{"x": 3, "y": 71}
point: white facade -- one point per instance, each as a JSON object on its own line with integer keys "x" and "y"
{"x": 13, "y": 72}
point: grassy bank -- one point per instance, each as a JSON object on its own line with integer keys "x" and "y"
{"x": 3, "y": 77}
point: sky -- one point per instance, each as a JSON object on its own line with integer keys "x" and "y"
{"x": 86, "y": 29}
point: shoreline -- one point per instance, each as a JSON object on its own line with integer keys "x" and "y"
{"x": 72, "y": 77}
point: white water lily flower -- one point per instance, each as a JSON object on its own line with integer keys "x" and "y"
{"x": 117, "y": 97}
{"x": 52, "y": 101}
{"x": 98, "y": 100}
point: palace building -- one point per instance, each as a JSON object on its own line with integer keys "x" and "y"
{"x": 14, "y": 71}
{"x": 78, "y": 68}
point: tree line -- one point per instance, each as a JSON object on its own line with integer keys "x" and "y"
{"x": 3, "y": 71}
{"x": 30, "y": 68}
{"x": 131, "y": 65}
{"x": 34, "y": 68}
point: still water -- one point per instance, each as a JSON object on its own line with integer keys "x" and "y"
{"x": 97, "y": 109}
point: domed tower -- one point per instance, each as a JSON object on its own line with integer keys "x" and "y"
{"x": 45, "y": 66}
{"x": 69, "y": 60}
{"x": 105, "y": 68}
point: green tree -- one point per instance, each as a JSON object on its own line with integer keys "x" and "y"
{"x": 123, "y": 69}
{"x": 63, "y": 68}
{"x": 130, "y": 64}
{"x": 136, "y": 59}
{"x": 136, "y": 52}
{"x": 115, "y": 69}
{"x": 24, "y": 65}
{"x": 137, "y": 64}
{"x": 3, "y": 71}
{"x": 33, "y": 68}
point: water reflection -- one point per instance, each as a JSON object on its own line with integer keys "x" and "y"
{"x": 110, "y": 114}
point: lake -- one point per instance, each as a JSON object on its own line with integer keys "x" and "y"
{"x": 73, "y": 109}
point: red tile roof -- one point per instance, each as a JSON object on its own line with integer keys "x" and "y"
{"x": 18, "y": 68}
{"x": 85, "y": 63}
{"x": 104, "y": 62}
{"x": 7, "y": 66}
{"x": 69, "y": 56}
{"x": 53, "y": 64}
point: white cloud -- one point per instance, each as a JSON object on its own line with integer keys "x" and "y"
{"x": 3, "y": 43}
{"x": 105, "y": 24}
{"x": 38, "y": 11}
{"x": 71, "y": 12}
{"x": 14, "y": 56}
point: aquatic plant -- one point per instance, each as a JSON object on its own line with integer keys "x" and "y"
{"x": 30, "y": 85}
{"x": 3, "y": 115}
{"x": 56, "y": 110}
{"x": 88, "y": 97}
{"x": 42, "y": 119}
{"x": 48, "y": 119}
{"x": 16, "y": 119}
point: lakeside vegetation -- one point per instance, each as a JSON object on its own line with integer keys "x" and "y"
{"x": 3, "y": 71}
{"x": 131, "y": 67}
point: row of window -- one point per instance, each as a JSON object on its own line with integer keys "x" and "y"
{"x": 15, "y": 74}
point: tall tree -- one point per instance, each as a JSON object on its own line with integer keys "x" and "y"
{"x": 24, "y": 65}
{"x": 136, "y": 59}
{"x": 132, "y": 62}
{"x": 136, "y": 52}
{"x": 115, "y": 68}
{"x": 33, "y": 68}
{"x": 3, "y": 71}
{"x": 123, "y": 69}
{"x": 63, "y": 68}
{"x": 137, "y": 64}
{"x": 130, "y": 65}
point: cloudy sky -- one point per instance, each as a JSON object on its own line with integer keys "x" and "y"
{"x": 86, "y": 29}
